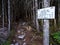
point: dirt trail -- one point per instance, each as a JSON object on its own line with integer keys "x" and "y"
{"x": 24, "y": 35}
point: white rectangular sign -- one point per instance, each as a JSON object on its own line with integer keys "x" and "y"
{"x": 46, "y": 13}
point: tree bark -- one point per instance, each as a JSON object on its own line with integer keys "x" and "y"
{"x": 9, "y": 15}
{"x": 3, "y": 13}
{"x": 36, "y": 20}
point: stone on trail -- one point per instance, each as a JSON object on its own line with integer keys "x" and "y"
{"x": 3, "y": 34}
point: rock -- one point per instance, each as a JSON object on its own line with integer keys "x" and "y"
{"x": 11, "y": 44}
{"x": 18, "y": 31}
{"x": 3, "y": 34}
{"x": 16, "y": 43}
{"x": 24, "y": 43}
{"x": 2, "y": 40}
{"x": 23, "y": 23}
{"x": 21, "y": 36}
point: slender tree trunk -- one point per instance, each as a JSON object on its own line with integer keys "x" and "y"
{"x": 36, "y": 20}
{"x": 26, "y": 11}
{"x": 33, "y": 14}
{"x": 9, "y": 15}
{"x": 3, "y": 13}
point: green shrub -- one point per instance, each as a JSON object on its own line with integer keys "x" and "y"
{"x": 56, "y": 36}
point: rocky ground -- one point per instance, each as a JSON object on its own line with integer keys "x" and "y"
{"x": 25, "y": 35}
{"x": 3, "y": 34}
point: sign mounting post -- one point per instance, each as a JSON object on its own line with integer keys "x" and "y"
{"x": 46, "y": 13}
{"x": 46, "y": 26}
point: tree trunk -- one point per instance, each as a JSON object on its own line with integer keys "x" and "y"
{"x": 9, "y": 15}
{"x": 3, "y": 13}
{"x": 36, "y": 20}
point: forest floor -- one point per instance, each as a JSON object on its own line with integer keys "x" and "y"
{"x": 26, "y": 35}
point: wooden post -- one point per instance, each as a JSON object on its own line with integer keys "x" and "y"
{"x": 46, "y": 26}
{"x": 3, "y": 13}
{"x": 9, "y": 15}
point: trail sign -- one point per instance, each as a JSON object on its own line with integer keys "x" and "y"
{"x": 46, "y": 13}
